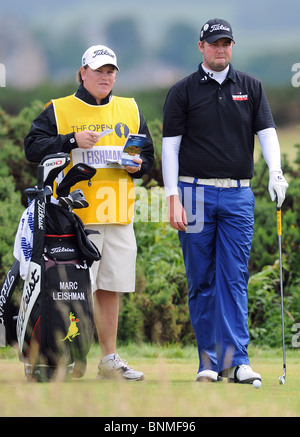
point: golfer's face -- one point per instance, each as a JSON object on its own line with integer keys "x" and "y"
{"x": 100, "y": 82}
{"x": 217, "y": 55}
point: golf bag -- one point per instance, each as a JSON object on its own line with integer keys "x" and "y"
{"x": 54, "y": 326}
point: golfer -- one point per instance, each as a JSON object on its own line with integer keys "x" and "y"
{"x": 210, "y": 119}
{"x": 92, "y": 125}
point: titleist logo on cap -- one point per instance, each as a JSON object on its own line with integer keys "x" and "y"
{"x": 216, "y": 27}
{"x": 103, "y": 52}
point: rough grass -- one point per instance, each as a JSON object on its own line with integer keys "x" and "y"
{"x": 169, "y": 388}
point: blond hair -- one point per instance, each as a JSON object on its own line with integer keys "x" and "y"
{"x": 78, "y": 75}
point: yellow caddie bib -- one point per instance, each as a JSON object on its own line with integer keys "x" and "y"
{"x": 111, "y": 194}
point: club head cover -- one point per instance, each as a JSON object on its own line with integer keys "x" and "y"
{"x": 79, "y": 172}
{"x": 53, "y": 165}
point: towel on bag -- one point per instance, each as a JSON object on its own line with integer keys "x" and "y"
{"x": 24, "y": 240}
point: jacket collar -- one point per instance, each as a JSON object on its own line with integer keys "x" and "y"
{"x": 84, "y": 95}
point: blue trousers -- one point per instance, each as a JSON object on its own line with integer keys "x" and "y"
{"x": 216, "y": 248}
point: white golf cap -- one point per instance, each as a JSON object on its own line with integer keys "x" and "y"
{"x": 96, "y": 56}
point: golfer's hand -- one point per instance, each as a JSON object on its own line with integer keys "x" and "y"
{"x": 277, "y": 187}
{"x": 86, "y": 139}
{"x": 176, "y": 213}
{"x": 132, "y": 169}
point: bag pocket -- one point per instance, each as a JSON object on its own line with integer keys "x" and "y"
{"x": 61, "y": 247}
{"x": 69, "y": 312}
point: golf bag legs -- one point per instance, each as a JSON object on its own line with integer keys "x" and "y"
{"x": 45, "y": 373}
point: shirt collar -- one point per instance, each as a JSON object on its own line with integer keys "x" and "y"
{"x": 204, "y": 77}
{"x": 84, "y": 95}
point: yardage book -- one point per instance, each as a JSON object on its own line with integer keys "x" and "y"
{"x": 132, "y": 149}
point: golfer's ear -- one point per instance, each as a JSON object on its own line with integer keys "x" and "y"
{"x": 200, "y": 45}
{"x": 82, "y": 72}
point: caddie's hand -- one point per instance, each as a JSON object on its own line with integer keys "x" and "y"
{"x": 277, "y": 187}
{"x": 132, "y": 169}
{"x": 176, "y": 213}
{"x": 86, "y": 139}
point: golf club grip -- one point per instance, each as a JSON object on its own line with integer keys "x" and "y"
{"x": 279, "y": 221}
{"x": 40, "y": 177}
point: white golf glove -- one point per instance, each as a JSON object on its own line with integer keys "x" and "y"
{"x": 277, "y": 187}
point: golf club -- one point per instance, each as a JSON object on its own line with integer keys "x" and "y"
{"x": 281, "y": 378}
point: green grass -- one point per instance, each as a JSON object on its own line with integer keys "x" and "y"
{"x": 169, "y": 388}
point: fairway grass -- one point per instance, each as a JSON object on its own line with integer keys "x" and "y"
{"x": 169, "y": 388}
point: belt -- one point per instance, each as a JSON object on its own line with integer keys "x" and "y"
{"x": 214, "y": 182}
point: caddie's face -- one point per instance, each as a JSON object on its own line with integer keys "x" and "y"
{"x": 217, "y": 55}
{"x": 99, "y": 82}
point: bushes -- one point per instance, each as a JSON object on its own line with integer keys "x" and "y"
{"x": 10, "y": 213}
{"x": 264, "y": 306}
{"x": 159, "y": 307}
{"x": 15, "y": 175}
{"x": 12, "y": 133}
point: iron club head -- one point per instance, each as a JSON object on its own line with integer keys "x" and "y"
{"x": 65, "y": 202}
{"x": 78, "y": 199}
{"x": 281, "y": 379}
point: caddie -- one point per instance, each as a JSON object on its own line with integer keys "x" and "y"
{"x": 92, "y": 125}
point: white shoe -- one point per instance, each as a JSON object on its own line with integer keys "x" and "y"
{"x": 115, "y": 367}
{"x": 242, "y": 374}
{"x": 208, "y": 376}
